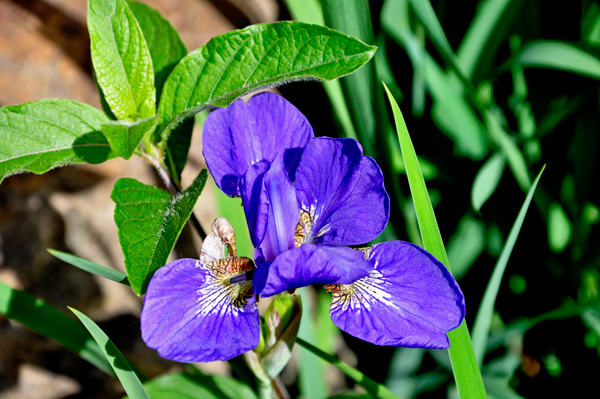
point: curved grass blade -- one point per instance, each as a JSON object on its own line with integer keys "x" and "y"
{"x": 486, "y": 309}
{"x": 126, "y": 375}
{"x": 376, "y": 389}
{"x": 149, "y": 222}
{"x": 258, "y": 56}
{"x": 560, "y": 55}
{"x": 91, "y": 267}
{"x": 46, "y": 320}
{"x": 464, "y": 365}
{"x": 41, "y": 135}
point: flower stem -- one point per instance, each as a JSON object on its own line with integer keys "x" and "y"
{"x": 265, "y": 390}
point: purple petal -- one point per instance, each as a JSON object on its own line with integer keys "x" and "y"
{"x": 409, "y": 299}
{"x": 342, "y": 191}
{"x": 283, "y": 213}
{"x": 191, "y": 315}
{"x": 238, "y": 136}
{"x": 313, "y": 264}
{"x": 255, "y": 200}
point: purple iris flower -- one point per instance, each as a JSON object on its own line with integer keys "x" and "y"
{"x": 306, "y": 200}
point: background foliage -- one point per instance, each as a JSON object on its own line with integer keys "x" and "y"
{"x": 490, "y": 92}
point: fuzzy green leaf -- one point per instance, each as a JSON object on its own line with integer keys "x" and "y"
{"x": 165, "y": 45}
{"x": 149, "y": 221}
{"x": 246, "y": 60}
{"x": 40, "y": 135}
{"x": 124, "y": 137}
{"x": 126, "y": 375}
{"x": 121, "y": 59}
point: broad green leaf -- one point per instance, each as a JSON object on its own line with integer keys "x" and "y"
{"x": 188, "y": 386}
{"x": 41, "y": 135}
{"x": 149, "y": 221}
{"x": 464, "y": 365}
{"x": 122, "y": 369}
{"x": 353, "y": 17}
{"x": 466, "y": 245}
{"x": 311, "y": 373}
{"x": 487, "y": 179}
{"x": 559, "y": 228}
{"x": 124, "y": 137}
{"x": 121, "y": 59}
{"x": 481, "y": 29}
{"x": 165, "y": 46}
{"x": 560, "y": 55}
{"x": 311, "y": 12}
{"x": 178, "y": 147}
{"x": 46, "y": 320}
{"x": 486, "y": 308}
{"x": 378, "y": 390}
{"x": 91, "y": 267}
{"x": 258, "y": 56}
{"x": 451, "y": 112}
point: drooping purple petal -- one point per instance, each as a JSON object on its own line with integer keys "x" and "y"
{"x": 190, "y": 315}
{"x": 238, "y": 136}
{"x": 409, "y": 299}
{"x": 342, "y": 191}
{"x": 313, "y": 264}
{"x": 255, "y": 200}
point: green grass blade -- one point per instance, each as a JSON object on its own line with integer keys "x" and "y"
{"x": 560, "y": 55}
{"x": 376, "y": 389}
{"x": 126, "y": 375}
{"x": 91, "y": 267}
{"x": 46, "y": 320}
{"x": 478, "y": 35}
{"x": 464, "y": 364}
{"x": 486, "y": 308}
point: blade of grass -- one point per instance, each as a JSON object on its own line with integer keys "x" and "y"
{"x": 91, "y": 267}
{"x": 464, "y": 364}
{"x": 46, "y": 320}
{"x": 486, "y": 308}
{"x": 378, "y": 390}
{"x": 133, "y": 386}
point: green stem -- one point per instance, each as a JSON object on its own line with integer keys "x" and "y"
{"x": 378, "y": 390}
{"x": 265, "y": 391}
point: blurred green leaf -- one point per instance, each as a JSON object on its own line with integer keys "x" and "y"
{"x": 149, "y": 222}
{"x": 311, "y": 374}
{"x": 487, "y": 179}
{"x": 499, "y": 388}
{"x": 560, "y": 55}
{"x": 464, "y": 364}
{"x": 165, "y": 46}
{"x": 126, "y": 375}
{"x": 124, "y": 137}
{"x": 91, "y": 267}
{"x": 353, "y": 17}
{"x": 486, "y": 308}
{"x": 590, "y": 25}
{"x": 559, "y": 228}
{"x": 41, "y": 135}
{"x": 489, "y": 13}
{"x": 465, "y": 245}
{"x": 232, "y": 210}
{"x": 241, "y": 61}
{"x": 188, "y": 386}
{"x": 46, "y": 320}
{"x": 121, "y": 59}
{"x": 378, "y": 390}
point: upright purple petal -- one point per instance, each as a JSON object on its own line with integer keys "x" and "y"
{"x": 192, "y": 314}
{"x": 283, "y": 213}
{"x": 342, "y": 192}
{"x": 238, "y": 136}
{"x": 312, "y": 264}
{"x": 409, "y": 299}
{"x": 255, "y": 200}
